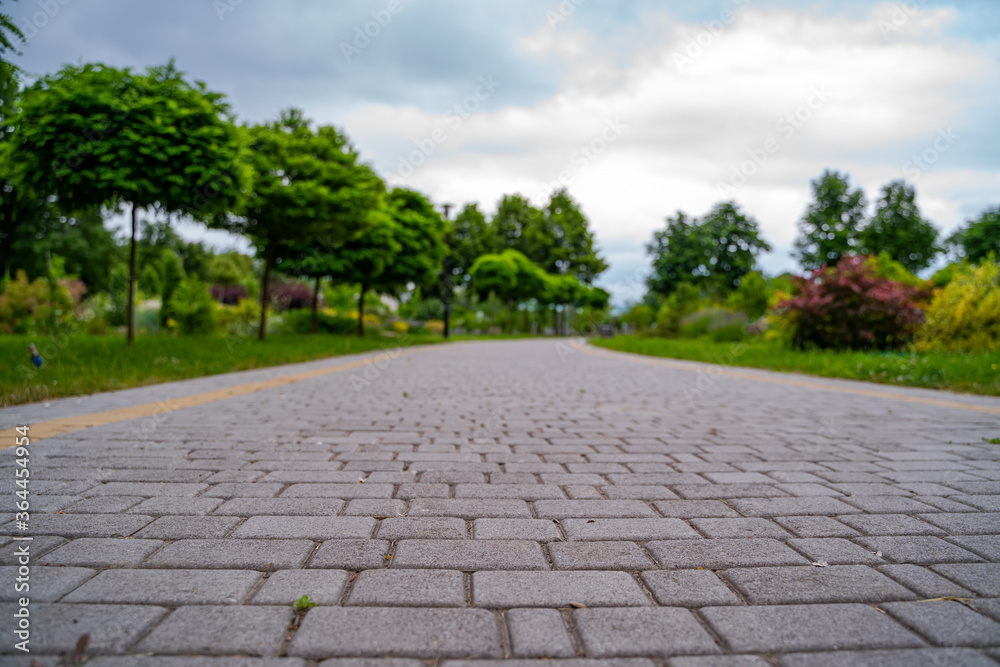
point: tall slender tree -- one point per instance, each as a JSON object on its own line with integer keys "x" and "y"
{"x": 898, "y": 229}
{"x": 832, "y": 222}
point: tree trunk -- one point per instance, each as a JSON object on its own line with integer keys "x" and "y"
{"x": 493, "y": 314}
{"x": 315, "y": 307}
{"x": 265, "y": 287}
{"x": 130, "y": 317}
{"x": 361, "y": 310}
{"x": 7, "y": 237}
{"x": 510, "y": 317}
{"x": 446, "y": 297}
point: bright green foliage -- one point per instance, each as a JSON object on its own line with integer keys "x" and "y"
{"x": 886, "y": 267}
{"x": 171, "y": 276}
{"x": 309, "y": 186}
{"x": 685, "y": 299}
{"x": 192, "y": 308}
{"x": 469, "y": 236}
{"x": 980, "y": 237}
{"x": 563, "y": 242}
{"x": 832, "y": 222}
{"x": 40, "y": 306}
{"x": 149, "y": 281}
{"x": 230, "y": 268}
{"x": 238, "y": 320}
{"x": 303, "y": 604}
{"x": 419, "y": 231}
{"x": 751, "y": 296}
{"x": 945, "y": 274}
{"x": 714, "y": 252}
{"x": 8, "y": 33}
{"x": 898, "y": 230}
{"x": 965, "y": 315}
{"x": 495, "y": 273}
{"x": 513, "y": 225}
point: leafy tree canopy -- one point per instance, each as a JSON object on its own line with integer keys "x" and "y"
{"x": 830, "y": 226}
{"x": 898, "y": 230}
{"x": 980, "y": 237}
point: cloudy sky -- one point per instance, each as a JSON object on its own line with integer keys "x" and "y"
{"x": 640, "y": 108}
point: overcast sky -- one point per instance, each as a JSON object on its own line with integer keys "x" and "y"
{"x": 640, "y": 108}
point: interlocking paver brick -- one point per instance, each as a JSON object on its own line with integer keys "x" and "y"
{"x": 946, "y": 623}
{"x": 932, "y": 657}
{"x": 469, "y": 508}
{"x": 599, "y": 556}
{"x": 181, "y": 527}
{"x": 310, "y": 527}
{"x": 375, "y": 507}
{"x": 639, "y": 530}
{"x": 755, "y": 527}
{"x": 772, "y": 507}
{"x": 712, "y": 491}
{"x": 248, "y": 507}
{"x": 217, "y": 630}
{"x": 689, "y": 588}
{"x": 83, "y": 525}
{"x": 987, "y": 546}
{"x": 642, "y": 632}
{"x": 719, "y": 553}
{"x": 230, "y": 554}
{"x": 176, "y": 506}
{"x": 442, "y": 528}
{"x": 539, "y": 530}
{"x": 103, "y": 505}
{"x": 506, "y": 589}
{"x": 522, "y": 491}
{"x": 46, "y": 584}
{"x": 410, "y": 491}
{"x": 835, "y": 583}
{"x": 787, "y": 628}
{"x": 146, "y": 489}
{"x": 343, "y": 491}
{"x": 592, "y": 509}
{"x": 56, "y": 627}
{"x": 12, "y": 553}
{"x": 922, "y": 581}
{"x": 890, "y": 524}
{"x": 469, "y": 555}
{"x": 101, "y": 552}
{"x": 638, "y": 492}
{"x": 981, "y": 578}
{"x": 918, "y": 549}
{"x": 410, "y": 588}
{"x": 815, "y": 526}
{"x": 538, "y": 633}
{"x": 693, "y": 509}
{"x": 982, "y": 523}
{"x": 395, "y": 631}
{"x": 351, "y": 554}
{"x": 834, "y": 551}
{"x": 286, "y": 586}
{"x": 167, "y": 587}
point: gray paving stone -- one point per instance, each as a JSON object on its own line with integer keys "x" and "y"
{"x": 470, "y": 508}
{"x": 343, "y": 491}
{"x": 719, "y": 661}
{"x": 639, "y": 530}
{"x": 772, "y": 507}
{"x": 834, "y": 551}
{"x": 810, "y": 584}
{"x": 556, "y": 589}
{"x": 421, "y": 633}
{"x": 56, "y": 627}
{"x": 639, "y": 492}
{"x": 739, "y": 528}
{"x": 239, "y": 490}
{"x": 191, "y": 661}
{"x": 372, "y": 662}
{"x": 309, "y": 527}
{"x": 918, "y": 549}
{"x": 580, "y": 662}
{"x": 982, "y": 523}
{"x": 285, "y": 587}
{"x": 693, "y": 509}
{"x": 375, "y": 507}
{"x": 522, "y": 491}
{"x": 890, "y": 524}
{"x": 146, "y": 489}
{"x": 592, "y": 509}
{"x": 642, "y": 632}
{"x": 689, "y": 588}
{"x": 409, "y": 588}
{"x": 216, "y": 630}
{"x": 410, "y": 491}
{"x": 12, "y": 553}
{"x": 720, "y": 553}
{"x": 987, "y": 546}
{"x": 174, "y": 506}
{"x": 231, "y": 554}
{"x": 351, "y": 554}
{"x": 713, "y": 491}
{"x": 928, "y": 657}
{"x": 981, "y": 578}
{"x": 167, "y": 587}
{"x": 539, "y": 530}
{"x": 923, "y": 582}
{"x": 599, "y": 556}
{"x": 249, "y": 507}
{"x": 83, "y": 525}
{"x": 946, "y": 623}
{"x": 469, "y": 555}
{"x": 103, "y": 505}
{"x": 101, "y": 553}
{"x": 538, "y": 633}
{"x": 887, "y": 504}
{"x": 181, "y": 527}
{"x": 442, "y": 528}
{"x": 815, "y": 526}
{"x": 787, "y": 628}
{"x": 45, "y": 584}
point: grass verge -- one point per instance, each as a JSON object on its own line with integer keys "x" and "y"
{"x": 79, "y": 364}
{"x": 969, "y": 373}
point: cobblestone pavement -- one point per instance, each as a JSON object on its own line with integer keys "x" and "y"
{"x": 519, "y": 500}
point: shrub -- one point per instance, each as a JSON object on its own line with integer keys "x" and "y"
{"x": 849, "y": 306}
{"x": 229, "y": 295}
{"x": 710, "y": 320}
{"x": 172, "y": 272}
{"x": 193, "y": 308}
{"x": 729, "y": 333}
{"x": 682, "y": 301}
{"x": 965, "y": 315}
{"x": 751, "y": 296}
{"x": 34, "y": 307}
{"x": 327, "y": 321}
{"x": 290, "y": 296}
{"x": 238, "y": 320}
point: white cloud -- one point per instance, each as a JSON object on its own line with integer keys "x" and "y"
{"x": 687, "y": 129}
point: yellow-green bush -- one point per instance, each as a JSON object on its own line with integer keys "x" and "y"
{"x": 238, "y": 320}
{"x": 36, "y": 307}
{"x": 964, "y": 315}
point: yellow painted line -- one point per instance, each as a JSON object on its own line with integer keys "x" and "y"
{"x": 50, "y": 429}
{"x": 718, "y": 369}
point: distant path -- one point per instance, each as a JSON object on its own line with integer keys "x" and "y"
{"x": 516, "y": 499}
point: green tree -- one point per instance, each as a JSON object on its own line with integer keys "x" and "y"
{"x": 980, "y": 237}
{"x": 172, "y": 275}
{"x": 308, "y": 184}
{"x": 9, "y": 32}
{"x": 898, "y": 229}
{"x": 495, "y": 274}
{"x": 193, "y": 308}
{"x": 831, "y": 224}
{"x": 512, "y": 225}
{"x": 678, "y": 254}
{"x": 567, "y": 243}
{"x": 98, "y": 136}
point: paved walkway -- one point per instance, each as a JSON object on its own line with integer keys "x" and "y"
{"x": 518, "y": 500}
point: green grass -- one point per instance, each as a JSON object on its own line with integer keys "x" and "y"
{"x": 969, "y": 373}
{"x": 80, "y": 364}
